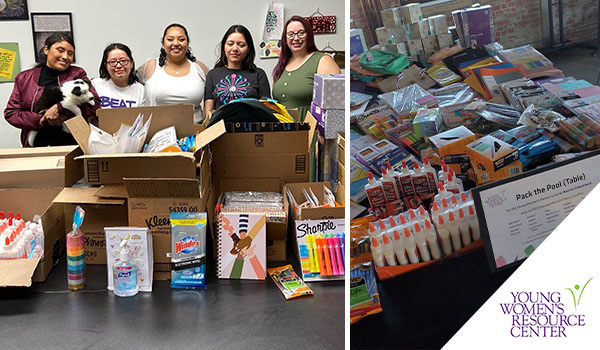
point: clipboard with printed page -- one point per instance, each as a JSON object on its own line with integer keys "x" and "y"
{"x": 241, "y": 246}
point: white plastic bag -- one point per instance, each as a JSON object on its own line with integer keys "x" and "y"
{"x": 101, "y": 142}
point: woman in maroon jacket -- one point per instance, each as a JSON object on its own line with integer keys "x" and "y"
{"x": 30, "y": 84}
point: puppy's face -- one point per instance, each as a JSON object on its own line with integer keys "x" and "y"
{"x": 78, "y": 89}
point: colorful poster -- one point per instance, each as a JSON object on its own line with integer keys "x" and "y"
{"x": 274, "y": 23}
{"x": 10, "y": 65}
{"x": 270, "y": 48}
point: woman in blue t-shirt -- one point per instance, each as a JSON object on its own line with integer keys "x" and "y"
{"x": 235, "y": 75}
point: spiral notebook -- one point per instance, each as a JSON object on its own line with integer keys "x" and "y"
{"x": 241, "y": 246}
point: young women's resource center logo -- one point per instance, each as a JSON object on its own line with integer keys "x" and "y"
{"x": 544, "y": 314}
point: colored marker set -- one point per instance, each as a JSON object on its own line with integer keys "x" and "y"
{"x": 322, "y": 255}
{"x": 419, "y": 236}
{"x": 20, "y": 239}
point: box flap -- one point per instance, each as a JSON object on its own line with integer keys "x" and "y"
{"x": 162, "y": 188}
{"x": 180, "y": 116}
{"x": 187, "y": 155}
{"x": 310, "y": 120}
{"x": 17, "y": 272}
{"x": 209, "y": 135}
{"x": 36, "y": 152}
{"x": 80, "y": 130}
{"x": 84, "y": 196}
{"x": 29, "y": 201}
{"x": 111, "y": 191}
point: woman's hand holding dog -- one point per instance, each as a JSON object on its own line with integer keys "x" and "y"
{"x": 52, "y": 117}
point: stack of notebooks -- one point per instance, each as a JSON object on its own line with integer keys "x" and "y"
{"x": 533, "y": 63}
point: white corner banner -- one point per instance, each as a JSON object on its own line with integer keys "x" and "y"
{"x": 552, "y": 301}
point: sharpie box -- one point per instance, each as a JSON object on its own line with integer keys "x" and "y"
{"x": 450, "y": 146}
{"x": 481, "y": 176}
{"x": 328, "y": 91}
{"x": 492, "y": 153}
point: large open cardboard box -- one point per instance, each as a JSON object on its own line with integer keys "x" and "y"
{"x": 32, "y": 201}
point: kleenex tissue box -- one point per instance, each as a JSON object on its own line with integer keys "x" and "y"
{"x": 328, "y": 91}
{"x": 330, "y": 121}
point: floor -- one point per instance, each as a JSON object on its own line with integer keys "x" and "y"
{"x": 227, "y": 315}
{"x": 424, "y": 308}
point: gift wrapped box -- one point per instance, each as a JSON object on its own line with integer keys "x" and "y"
{"x": 328, "y": 91}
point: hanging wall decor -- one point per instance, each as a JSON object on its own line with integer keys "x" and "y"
{"x": 12, "y": 10}
{"x": 10, "y": 64}
{"x": 322, "y": 24}
{"x": 45, "y": 24}
{"x": 270, "y": 48}
{"x": 274, "y": 22}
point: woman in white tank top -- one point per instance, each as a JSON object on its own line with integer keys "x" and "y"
{"x": 175, "y": 77}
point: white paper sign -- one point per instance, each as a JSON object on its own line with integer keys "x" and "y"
{"x": 273, "y": 23}
{"x": 516, "y": 215}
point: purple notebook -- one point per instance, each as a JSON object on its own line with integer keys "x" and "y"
{"x": 477, "y": 24}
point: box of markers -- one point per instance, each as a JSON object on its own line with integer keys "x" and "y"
{"x": 320, "y": 247}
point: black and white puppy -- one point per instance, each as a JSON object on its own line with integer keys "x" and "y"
{"x": 70, "y": 95}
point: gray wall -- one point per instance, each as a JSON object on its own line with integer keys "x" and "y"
{"x": 140, "y": 23}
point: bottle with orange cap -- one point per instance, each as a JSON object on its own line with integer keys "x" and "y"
{"x": 421, "y": 241}
{"x": 444, "y": 235}
{"x": 432, "y": 240}
{"x": 399, "y": 247}
{"x": 410, "y": 246}
{"x": 377, "y": 252}
{"x": 388, "y": 250}
{"x": 473, "y": 223}
{"x": 454, "y": 233}
{"x": 463, "y": 227}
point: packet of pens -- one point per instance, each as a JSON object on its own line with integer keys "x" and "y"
{"x": 417, "y": 238}
{"x": 76, "y": 253}
{"x": 364, "y": 296}
{"x": 288, "y": 282}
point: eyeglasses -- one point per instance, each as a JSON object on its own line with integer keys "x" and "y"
{"x": 290, "y": 35}
{"x": 124, "y": 63}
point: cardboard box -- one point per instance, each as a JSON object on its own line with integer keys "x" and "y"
{"x": 32, "y": 201}
{"x": 487, "y": 176}
{"x": 402, "y": 48}
{"x": 295, "y": 189}
{"x": 413, "y": 31}
{"x": 430, "y": 44}
{"x": 276, "y": 250}
{"x": 341, "y": 173}
{"x": 438, "y": 24}
{"x": 100, "y": 212}
{"x": 384, "y": 36}
{"x": 341, "y": 147}
{"x": 39, "y": 167}
{"x": 492, "y": 153}
{"x": 450, "y": 146}
{"x": 415, "y": 47}
{"x": 411, "y": 13}
{"x": 151, "y": 200}
{"x": 330, "y": 121}
{"x": 444, "y": 40}
{"x": 391, "y": 17}
{"x": 391, "y": 48}
{"x": 329, "y": 91}
{"x": 112, "y": 168}
{"x": 399, "y": 33}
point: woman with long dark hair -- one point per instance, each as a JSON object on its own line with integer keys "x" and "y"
{"x": 118, "y": 86}
{"x": 299, "y": 61}
{"x": 176, "y": 76}
{"x": 235, "y": 75}
{"x": 54, "y": 69}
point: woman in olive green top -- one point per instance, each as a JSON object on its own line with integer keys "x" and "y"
{"x": 298, "y": 62}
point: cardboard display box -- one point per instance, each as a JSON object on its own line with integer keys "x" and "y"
{"x": 32, "y": 201}
{"x": 450, "y": 146}
{"x": 112, "y": 168}
{"x": 313, "y": 213}
{"x": 493, "y": 154}
{"x": 39, "y": 167}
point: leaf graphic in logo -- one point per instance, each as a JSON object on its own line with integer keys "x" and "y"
{"x": 577, "y": 300}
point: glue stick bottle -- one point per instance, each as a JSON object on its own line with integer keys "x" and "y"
{"x": 419, "y": 180}
{"x": 388, "y": 183}
{"x": 396, "y": 176}
{"x": 432, "y": 178}
{"x": 388, "y": 250}
{"x": 473, "y": 223}
{"x": 374, "y": 192}
{"x": 463, "y": 227}
{"x": 443, "y": 173}
{"x": 444, "y": 235}
{"x": 450, "y": 184}
{"x": 406, "y": 180}
{"x": 432, "y": 240}
{"x": 373, "y": 230}
{"x": 454, "y": 233}
{"x": 411, "y": 246}
{"x": 442, "y": 192}
{"x": 377, "y": 252}
{"x": 421, "y": 241}
{"x": 399, "y": 248}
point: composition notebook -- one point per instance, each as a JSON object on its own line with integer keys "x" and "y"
{"x": 241, "y": 246}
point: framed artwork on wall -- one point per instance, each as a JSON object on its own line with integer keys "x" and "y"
{"x": 45, "y": 24}
{"x": 13, "y": 10}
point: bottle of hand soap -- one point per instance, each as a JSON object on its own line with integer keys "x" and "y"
{"x": 125, "y": 274}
